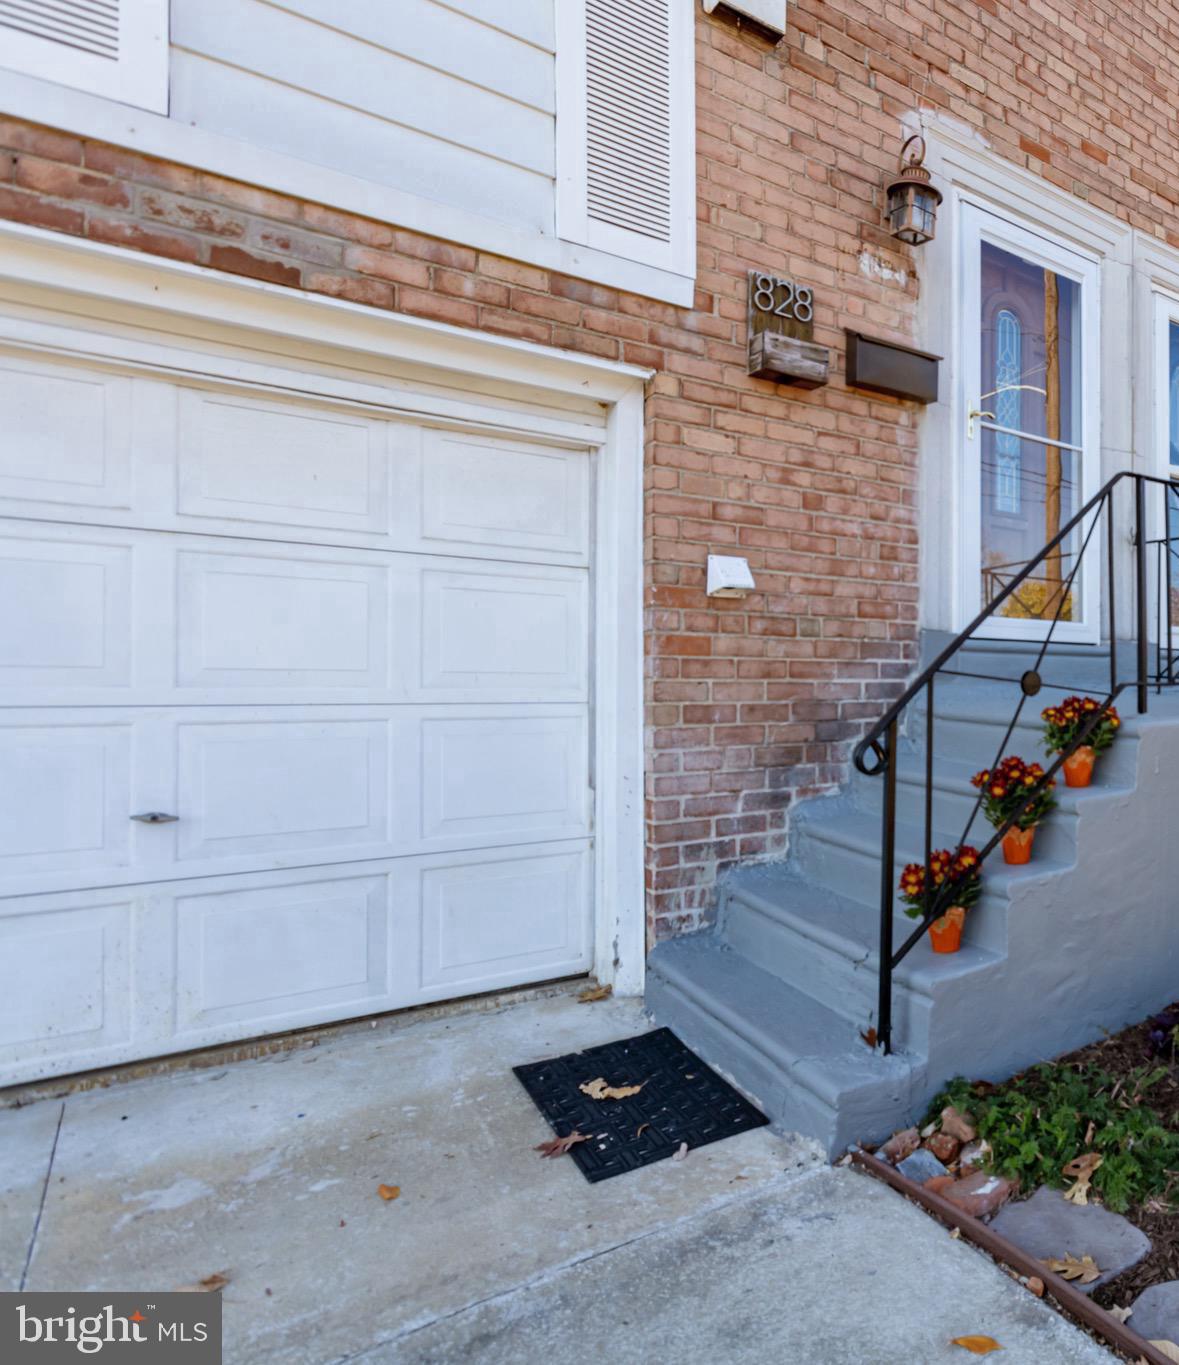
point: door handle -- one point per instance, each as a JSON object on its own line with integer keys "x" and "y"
{"x": 155, "y": 817}
{"x": 976, "y": 412}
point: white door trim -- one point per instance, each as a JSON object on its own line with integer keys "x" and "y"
{"x": 176, "y": 307}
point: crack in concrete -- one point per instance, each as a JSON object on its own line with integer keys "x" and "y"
{"x": 793, "y": 1181}
{"x": 24, "y": 1275}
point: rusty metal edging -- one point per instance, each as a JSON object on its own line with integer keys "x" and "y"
{"x": 1078, "y": 1305}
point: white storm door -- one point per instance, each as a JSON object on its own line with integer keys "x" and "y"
{"x": 1028, "y": 434}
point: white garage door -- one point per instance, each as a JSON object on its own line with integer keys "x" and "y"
{"x": 349, "y": 655}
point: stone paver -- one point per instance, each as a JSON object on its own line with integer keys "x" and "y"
{"x": 1156, "y": 1312}
{"x": 921, "y": 1166}
{"x": 1047, "y": 1225}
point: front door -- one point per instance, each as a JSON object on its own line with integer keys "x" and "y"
{"x": 1028, "y": 437}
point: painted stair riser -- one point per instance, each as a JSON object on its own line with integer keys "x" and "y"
{"x": 844, "y": 983}
{"x": 855, "y": 873}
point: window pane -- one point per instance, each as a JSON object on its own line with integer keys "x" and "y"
{"x": 1030, "y": 324}
{"x": 1029, "y": 491}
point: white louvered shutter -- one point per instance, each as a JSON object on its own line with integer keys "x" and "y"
{"x": 117, "y": 48}
{"x": 625, "y": 129}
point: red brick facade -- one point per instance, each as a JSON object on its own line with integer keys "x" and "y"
{"x": 751, "y": 702}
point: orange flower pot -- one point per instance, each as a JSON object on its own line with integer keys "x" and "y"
{"x": 945, "y": 933}
{"x": 1078, "y": 766}
{"x": 1017, "y": 846}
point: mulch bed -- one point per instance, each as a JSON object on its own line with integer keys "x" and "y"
{"x": 1158, "y": 1218}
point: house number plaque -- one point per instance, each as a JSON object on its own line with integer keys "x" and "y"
{"x": 781, "y": 332}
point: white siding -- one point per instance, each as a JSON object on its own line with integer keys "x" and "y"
{"x": 453, "y": 102}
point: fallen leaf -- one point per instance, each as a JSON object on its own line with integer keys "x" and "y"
{"x": 641, "y": 1129}
{"x": 680, "y": 1152}
{"x": 209, "y": 1285}
{"x": 597, "y": 1089}
{"x": 558, "y": 1146}
{"x": 1081, "y": 1169}
{"x": 979, "y": 1346}
{"x": 1121, "y": 1313}
{"x": 389, "y": 1192}
{"x": 592, "y": 993}
{"x": 1036, "y": 1285}
{"x": 869, "y": 1037}
{"x": 956, "y": 1234}
{"x": 1165, "y": 1348}
{"x": 1092, "y": 1128}
{"x": 1070, "y": 1268}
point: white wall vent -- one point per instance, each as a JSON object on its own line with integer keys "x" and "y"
{"x": 116, "y": 48}
{"x": 628, "y": 114}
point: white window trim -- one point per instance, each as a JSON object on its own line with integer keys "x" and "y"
{"x": 153, "y": 134}
{"x": 73, "y": 280}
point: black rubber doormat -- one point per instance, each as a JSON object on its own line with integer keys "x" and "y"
{"x": 681, "y": 1100}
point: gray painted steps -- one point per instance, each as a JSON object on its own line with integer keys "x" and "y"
{"x": 805, "y": 1064}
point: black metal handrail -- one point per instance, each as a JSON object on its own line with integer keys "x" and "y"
{"x": 881, "y": 741}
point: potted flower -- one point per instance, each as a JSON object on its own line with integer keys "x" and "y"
{"x": 1006, "y": 791}
{"x": 1063, "y": 725}
{"x": 955, "y": 880}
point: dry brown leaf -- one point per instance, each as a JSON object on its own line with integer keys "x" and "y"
{"x": 979, "y": 1346}
{"x": 558, "y": 1146}
{"x": 680, "y": 1152}
{"x": 1092, "y": 1128}
{"x": 1165, "y": 1348}
{"x": 1070, "y": 1268}
{"x": 592, "y": 993}
{"x": 641, "y": 1129}
{"x": 1036, "y": 1285}
{"x": 869, "y": 1036}
{"x": 1121, "y": 1313}
{"x": 209, "y": 1285}
{"x": 1081, "y": 1170}
{"x": 597, "y": 1089}
{"x": 389, "y": 1192}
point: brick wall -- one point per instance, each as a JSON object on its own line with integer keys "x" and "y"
{"x": 750, "y": 703}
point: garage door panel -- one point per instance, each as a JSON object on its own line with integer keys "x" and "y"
{"x": 509, "y": 631}
{"x": 315, "y": 788}
{"x": 492, "y": 922}
{"x": 492, "y": 778}
{"x": 65, "y": 615}
{"x": 245, "y": 459}
{"x": 65, "y": 983}
{"x": 256, "y": 958}
{"x": 67, "y": 436}
{"x": 281, "y": 622}
{"x": 64, "y": 798}
{"x": 503, "y": 496}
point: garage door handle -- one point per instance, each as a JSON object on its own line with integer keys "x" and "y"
{"x": 155, "y": 817}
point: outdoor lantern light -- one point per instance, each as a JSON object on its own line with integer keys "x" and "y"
{"x": 912, "y": 199}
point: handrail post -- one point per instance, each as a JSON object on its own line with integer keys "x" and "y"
{"x": 1140, "y": 566}
{"x": 888, "y": 851}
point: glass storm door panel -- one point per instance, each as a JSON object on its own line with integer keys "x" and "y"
{"x": 1028, "y": 465}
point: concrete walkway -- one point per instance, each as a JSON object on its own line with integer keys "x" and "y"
{"x": 750, "y": 1249}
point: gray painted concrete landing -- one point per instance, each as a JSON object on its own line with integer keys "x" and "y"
{"x": 750, "y": 1249}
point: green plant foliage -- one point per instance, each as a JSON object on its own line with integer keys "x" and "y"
{"x": 1038, "y": 1122}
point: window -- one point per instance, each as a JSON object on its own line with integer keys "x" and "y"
{"x": 625, "y": 129}
{"x": 117, "y": 48}
{"x": 1008, "y": 372}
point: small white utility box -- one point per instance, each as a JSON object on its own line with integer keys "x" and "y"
{"x": 770, "y": 14}
{"x": 729, "y": 576}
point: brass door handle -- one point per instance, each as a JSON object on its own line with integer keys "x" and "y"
{"x": 976, "y": 412}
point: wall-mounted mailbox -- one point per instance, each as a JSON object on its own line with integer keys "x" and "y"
{"x": 885, "y": 367}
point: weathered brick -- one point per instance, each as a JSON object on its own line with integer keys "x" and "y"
{"x": 240, "y": 262}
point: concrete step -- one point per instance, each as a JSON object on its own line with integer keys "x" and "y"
{"x": 828, "y": 946}
{"x": 803, "y": 1064}
{"x": 839, "y": 848}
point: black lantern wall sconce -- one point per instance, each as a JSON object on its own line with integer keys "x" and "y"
{"x": 912, "y": 197}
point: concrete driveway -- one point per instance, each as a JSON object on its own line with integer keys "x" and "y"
{"x": 749, "y": 1250}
